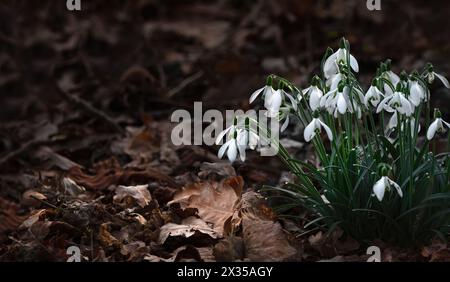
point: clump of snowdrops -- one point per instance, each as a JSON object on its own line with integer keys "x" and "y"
{"x": 378, "y": 177}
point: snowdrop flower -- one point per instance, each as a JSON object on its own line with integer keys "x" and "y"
{"x": 273, "y": 99}
{"x": 238, "y": 141}
{"x": 316, "y": 126}
{"x": 395, "y": 102}
{"x": 373, "y": 96}
{"x": 314, "y": 94}
{"x": 337, "y": 101}
{"x": 385, "y": 183}
{"x": 437, "y": 126}
{"x": 331, "y": 65}
{"x": 393, "y": 123}
{"x": 431, "y": 75}
{"x": 417, "y": 93}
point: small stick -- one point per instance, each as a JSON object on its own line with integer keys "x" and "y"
{"x": 91, "y": 109}
{"x": 27, "y": 146}
{"x": 184, "y": 84}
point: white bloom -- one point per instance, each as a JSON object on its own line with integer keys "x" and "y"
{"x": 396, "y": 102}
{"x": 373, "y": 95}
{"x": 339, "y": 102}
{"x": 314, "y": 94}
{"x": 316, "y": 125}
{"x": 392, "y": 77}
{"x": 417, "y": 93}
{"x": 393, "y": 123}
{"x": 238, "y": 141}
{"x": 385, "y": 183}
{"x": 431, "y": 76}
{"x": 331, "y": 66}
{"x": 436, "y": 126}
{"x": 273, "y": 99}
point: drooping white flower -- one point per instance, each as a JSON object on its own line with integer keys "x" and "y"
{"x": 393, "y": 123}
{"x": 384, "y": 183}
{"x": 416, "y": 93}
{"x": 238, "y": 141}
{"x": 273, "y": 99}
{"x": 314, "y": 94}
{"x": 373, "y": 96}
{"x": 436, "y": 126}
{"x": 431, "y": 75}
{"x": 338, "y": 101}
{"x": 316, "y": 126}
{"x": 396, "y": 102}
{"x": 331, "y": 65}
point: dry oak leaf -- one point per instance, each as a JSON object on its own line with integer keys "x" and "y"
{"x": 140, "y": 193}
{"x": 187, "y": 228}
{"x": 216, "y": 202}
{"x": 265, "y": 241}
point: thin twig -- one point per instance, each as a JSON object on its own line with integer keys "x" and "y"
{"x": 24, "y": 148}
{"x": 91, "y": 110}
{"x": 184, "y": 84}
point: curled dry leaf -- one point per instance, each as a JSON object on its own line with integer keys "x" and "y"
{"x": 139, "y": 193}
{"x": 31, "y": 198}
{"x": 216, "y": 202}
{"x": 187, "y": 228}
{"x": 71, "y": 187}
{"x": 265, "y": 240}
{"x": 33, "y": 219}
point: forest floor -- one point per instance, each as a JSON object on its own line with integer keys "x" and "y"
{"x": 86, "y": 157}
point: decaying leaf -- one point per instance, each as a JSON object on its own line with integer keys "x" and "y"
{"x": 33, "y": 219}
{"x": 187, "y": 228}
{"x": 71, "y": 187}
{"x": 216, "y": 202}
{"x": 31, "y": 198}
{"x": 139, "y": 193}
{"x": 106, "y": 238}
{"x": 266, "y": 241}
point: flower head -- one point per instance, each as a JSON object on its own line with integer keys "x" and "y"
{"x": 384, "y": 183}
{"x": 273, "y": 99}
{"x": 331, "y": 65}
{"x": 314, "y": 127}
{"x": 431, "y": 75}
{"x": 373, "y": 96}
{"x": 436, "y": 126}
{"x": 314, "y": 94}
{"x": 416, "y": 93}
{"x": 396, "y": 102}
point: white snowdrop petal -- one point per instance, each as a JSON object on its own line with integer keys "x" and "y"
{"x": 397, "y": 187}
{"x": 380, "y": 188}
{"x": 256, "y": 94}
{"x": 327, "y": 130}
{"x": 354, "y": 63}
{"x": 432, "y": 129}
{"x": 232, "y": 151}
{"x": 443, "y": 79}
{"x": 309, "y": 131}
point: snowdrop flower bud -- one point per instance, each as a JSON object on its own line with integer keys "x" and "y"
{"x": 384, "y": 183}
{"x": 430, "y": 76}
{"x": 438, "y": 125}
{"x": 314, "y": 127}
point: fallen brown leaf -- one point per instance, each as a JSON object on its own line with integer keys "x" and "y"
{"x": 139, "y": 193}
{"x": 216, "y": 202}
{"x": 187, "y": 228}
{"x": 265, "y": 240}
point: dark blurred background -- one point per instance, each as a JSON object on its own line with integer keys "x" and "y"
{"x": 135, "y": 60}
